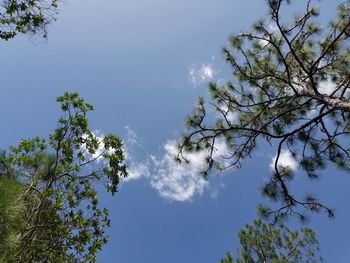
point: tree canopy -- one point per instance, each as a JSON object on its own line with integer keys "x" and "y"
{"x": 291, "y": 90}
{"x": 262, "y": 242}
{"x": 48, "y": 190}
{"x": 26, "y": 16}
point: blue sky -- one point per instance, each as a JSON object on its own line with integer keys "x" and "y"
{"x": 143, "y": 64}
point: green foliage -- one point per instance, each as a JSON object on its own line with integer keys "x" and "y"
{"x": 228, "y": 259}
{"x": 59, "y": 206}
{"x": 280, "y": 68}
{"x": 23, "y": 16}
{"x": 10, "y": 215}
{"x": 276, "y": 244}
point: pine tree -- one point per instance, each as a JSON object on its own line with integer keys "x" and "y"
{"x": 291, "y": 90}
{"x": 265, "y": 243}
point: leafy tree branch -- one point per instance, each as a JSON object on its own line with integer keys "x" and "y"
{"x": 59, "y": 217}
{"x": 278, "y": 95}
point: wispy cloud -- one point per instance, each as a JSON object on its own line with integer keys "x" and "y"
{"x": 285, "y": 160}
{"x": 137, "y": 171}
{"x": 214, "y": 191}
{"x": 199, "y": 74}
{"x": 132, "y": 138}
{"x": 183, "y": 182}
{"x": 179, "y": 182}
{"x": 173, "y": 181}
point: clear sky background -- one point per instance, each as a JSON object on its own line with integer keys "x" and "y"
{"x": 143, "y": 64}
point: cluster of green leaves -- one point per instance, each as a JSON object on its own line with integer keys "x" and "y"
{"x": 276, "y": 96}
{"x": 59, "y": 218}
{"x": 276, "y": 244}
{"x": 23, "y": 16}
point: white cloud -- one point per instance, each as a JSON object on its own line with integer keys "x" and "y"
{"x": 201, "y": 73}
{"x": 173, "y": 181}
{"x": 326, "y": 87}
{"x": 137, "y": 171}
{"x": 176, "y": 181}
{"x": 285, "y": 160}
{"x": 179, "y": 182}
